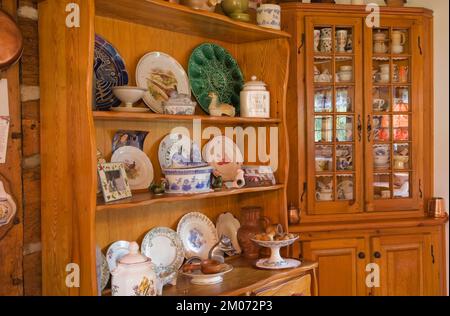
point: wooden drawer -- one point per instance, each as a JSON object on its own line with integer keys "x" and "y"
{"x": 297, "y": 287}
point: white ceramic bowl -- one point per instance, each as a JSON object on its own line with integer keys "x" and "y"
{"x": 188, "y": 181}
{"x": 128, "y": 94}
{"x": 381, "y": 160}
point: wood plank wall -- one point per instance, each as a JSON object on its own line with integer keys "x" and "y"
{"x": 20, "y": 255}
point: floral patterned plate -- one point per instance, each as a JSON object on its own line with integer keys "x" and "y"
{"x": 164, "y": 247}
{"x": 109, "y": 72}
{"x": 161, "y": 75}
{"x": 178, "y": 151}
{"x": 137, "y": 165}
{"x": 115, "y": 252}
{"x": 213, "y": 69}
{"x": 198, "y": 235}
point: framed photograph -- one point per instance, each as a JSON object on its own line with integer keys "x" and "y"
{"x": 114, "y": 181}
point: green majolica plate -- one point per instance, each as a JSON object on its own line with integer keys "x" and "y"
{"x": 213, "y": 69}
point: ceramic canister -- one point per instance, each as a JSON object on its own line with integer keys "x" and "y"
{"x": 135, "y": 275}
{"x": 269, "y": 15}
{"x": 255, "y": 99}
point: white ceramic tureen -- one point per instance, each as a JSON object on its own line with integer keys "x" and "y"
{"x": 135, "y": 275}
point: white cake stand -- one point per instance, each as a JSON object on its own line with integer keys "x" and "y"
{"x": 276, "y": 262}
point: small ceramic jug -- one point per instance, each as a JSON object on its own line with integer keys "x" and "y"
{"x": 269, "y": 15}
{"x": 135, "y": 275}
{"x": 252, "y": 224}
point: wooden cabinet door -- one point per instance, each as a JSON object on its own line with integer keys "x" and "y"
{"x": 334, "y": 97}
{"x": 406, "y": 265}
{"x": 342, "y": 264}
{"x": 393, "y": 116}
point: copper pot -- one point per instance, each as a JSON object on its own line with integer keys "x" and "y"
{"x": 11, "y": 41}
{"x": 436, "y": 208}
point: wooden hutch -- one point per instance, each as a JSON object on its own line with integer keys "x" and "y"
{"x": 74, "y": 221}
{"x": 362, "y": 201}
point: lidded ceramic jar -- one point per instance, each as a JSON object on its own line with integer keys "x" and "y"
{"x": 135, "y": 275}
{"x": 255, "y": 99}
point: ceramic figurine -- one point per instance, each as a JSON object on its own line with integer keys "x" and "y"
{"x": 158, "y": 189}
{"x": 135, "y": 275}
{"x": 216, "y": 109}
{"x": 217, "y": 182}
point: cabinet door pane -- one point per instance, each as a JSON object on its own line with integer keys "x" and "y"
{"x": 334, "y": 94}
{"x": 392, "y": 107}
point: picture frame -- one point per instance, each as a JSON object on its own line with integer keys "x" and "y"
{"x": 114, "y": 182}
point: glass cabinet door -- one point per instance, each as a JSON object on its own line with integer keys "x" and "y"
{"x": 392, "y": 106}
{"x": 334, "y": 107}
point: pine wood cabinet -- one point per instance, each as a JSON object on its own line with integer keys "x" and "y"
{"x": 361, "y": 147}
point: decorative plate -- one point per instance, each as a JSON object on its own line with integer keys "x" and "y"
{"x": 137, "y": 165}
{"x": 105, "y": 274}
{"x": 178, "y": 151}
{"x": 161, "y": 75}
{"x": 224, "y": 156}
{"x": 164, "y": 247}
{"x": 199, "y": 278}
{"x": 129, "y": 138}
{"x": 109, "y": 72}
{"x": 213, "y": 69}
{"x": 228, "y": 225}
{"x": 115, "y": 252}
{"x": 198, "y": 235}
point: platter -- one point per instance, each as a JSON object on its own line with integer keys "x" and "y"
{"x": 138, "y": 166}
{"x": 213, "y": 69}
{"x": 178, "y": 151}
{"x": 197, "y": 234}
{"x": 109, "y": 72}
{"x": 161, "y": 75}
{"x": 228, "y": 225}
{"x": 164, "y": 247}
{"x": 115, "y": 252}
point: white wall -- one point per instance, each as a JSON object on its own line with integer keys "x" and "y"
{"x": 441, "y": 102}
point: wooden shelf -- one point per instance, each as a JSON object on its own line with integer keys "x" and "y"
{"x": 145, "y": 117}
{"x": 182, "y": 19}
{"x": 147, "y": 198}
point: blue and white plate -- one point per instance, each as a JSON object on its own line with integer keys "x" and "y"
{"x": 178, "y": 151}
{"x": 109, "y": 72}
{"x": 198, "y": 235}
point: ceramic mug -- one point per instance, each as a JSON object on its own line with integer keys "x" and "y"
{"x": 326, "y": 32}
{"x": 385, "y": 68}
{"x": 386, "y": 194}
{"x": 325, "y": 45}
{"x": 324, "y": 195}
{"x": 316, "y": 40}
{"x": 382, "y": 77}
{"x": 269, "y": 16}
{"x": 341, "y": 37}
{"x": 397, "y": 49}
{"x": 345, "y": 76}
{"x": 398, "y": 38}
{"x": 380, "y": 47}
{"x": 378, "y": 104}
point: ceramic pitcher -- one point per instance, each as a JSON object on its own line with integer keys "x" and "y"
{"x": 252, "y": 223}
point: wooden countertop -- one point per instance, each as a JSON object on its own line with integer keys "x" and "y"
{"x": 244, "y": 279}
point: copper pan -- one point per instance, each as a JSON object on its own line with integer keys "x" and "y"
{"x": 11, "y": 41}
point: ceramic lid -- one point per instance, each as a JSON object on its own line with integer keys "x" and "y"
{"x": 255, "y": 85}
{"x": 134, "y": 257}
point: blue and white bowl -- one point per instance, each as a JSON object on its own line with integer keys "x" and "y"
{"x": 188, "y": 181}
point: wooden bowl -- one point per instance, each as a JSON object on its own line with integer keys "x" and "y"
{"x": 212, "y": 266}
{"x": 395, "y": 3}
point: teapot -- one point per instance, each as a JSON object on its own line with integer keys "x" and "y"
{"x": 135, "y": 275}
